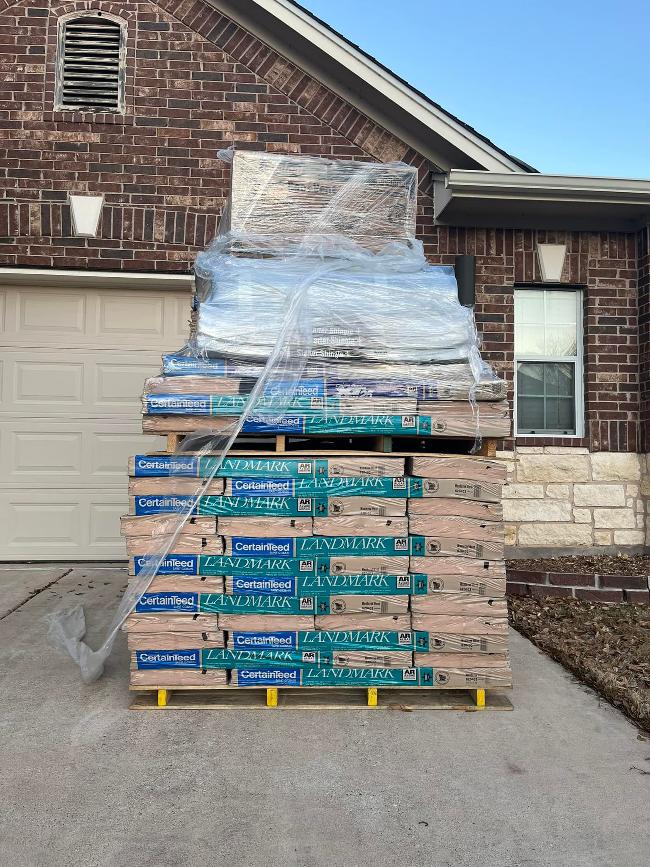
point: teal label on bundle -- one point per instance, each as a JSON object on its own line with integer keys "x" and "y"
{"x": 220, "y": 603}
{"x": 417, "y": 546}
{"x": 342, "y": 424}
{"x": 352, "y": 486}
{"x": 346, "y": 486}
{"x": 217, "y": 564}
{"x": 273, "y": 407}
{"x": 280, "y": 507}
{"x": 227, "y": 404}
{"x": 364, "y": 585}
{"x": 367, "y": 677}
{"x": 366, "y": 546}
{"x": 355, "y": 639}
{"x": 256, "y": 468}
{"x": 330, "y": 585}
{"x": 324, "y": 640}
{"x": 228, "y": 658}
{"x": 422, "y": 642}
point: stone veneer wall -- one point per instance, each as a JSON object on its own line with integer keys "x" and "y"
{"x": 574, "y": 500}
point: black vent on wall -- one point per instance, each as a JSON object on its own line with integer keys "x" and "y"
{"x": 90, "y": 68}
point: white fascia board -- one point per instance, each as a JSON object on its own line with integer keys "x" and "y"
{"x": 389, "y": 86}
{"x": 461, "y": 183}
{"x": 54, "y": 278}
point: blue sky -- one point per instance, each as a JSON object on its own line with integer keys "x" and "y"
{"x": 562, "y": 84}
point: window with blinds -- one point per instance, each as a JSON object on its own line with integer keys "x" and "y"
{"x": 90, "y": 67}
{"x": 548, "y": 362}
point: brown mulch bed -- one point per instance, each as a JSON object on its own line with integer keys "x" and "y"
{"x": 606, "y": 646}
{"x": 602, "y": 564}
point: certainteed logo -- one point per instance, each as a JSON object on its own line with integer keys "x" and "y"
{"x": 278, "y": 586}
{"x": 171, "y": 402}
{"x": 164, "y": 465}
{"x": 186, "y": 364}
{"x": 268, "y": 677}
{"x": 152, "y": 504}
{"x": 173, "y": 564}
{"x": 262, "y": 487}
{"x": 261, "y": 640}
{"x": 182, "y": 602}
{"x": 271, "y": 547}
{"x": 168, "y": 659}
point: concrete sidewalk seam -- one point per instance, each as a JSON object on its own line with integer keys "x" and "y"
{"x": 34, "y": 594}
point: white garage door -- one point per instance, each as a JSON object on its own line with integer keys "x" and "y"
{"x": 73, "y": 362}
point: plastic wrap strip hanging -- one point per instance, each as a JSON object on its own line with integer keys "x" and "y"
{"x": 67, "y": 629}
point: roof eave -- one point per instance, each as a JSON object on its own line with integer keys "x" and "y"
{"x": 474, "y": 198}
{"x": 365, "y": 83}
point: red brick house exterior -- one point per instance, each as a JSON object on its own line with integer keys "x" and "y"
{"x": 197, "y": 81}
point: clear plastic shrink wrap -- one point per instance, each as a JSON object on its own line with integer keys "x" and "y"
{"x": 386, "y": 307}
{"x": 283, "y": 202}
{"x": 315, "y": 275}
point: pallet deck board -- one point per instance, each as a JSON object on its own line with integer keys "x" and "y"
{"x": 285, "y": 444}
{"x": 317, "y": 698}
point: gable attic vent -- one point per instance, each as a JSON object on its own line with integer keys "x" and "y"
{"x": 90, "y": 65}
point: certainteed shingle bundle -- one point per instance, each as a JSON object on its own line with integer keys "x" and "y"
{"x": 319, "y": 325}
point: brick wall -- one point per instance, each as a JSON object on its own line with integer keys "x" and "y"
{"x": 196, "y": 82}
{"x": 605, "y": 265}
{"x": 591, "y": 586}
{"x": 644, "y": 336}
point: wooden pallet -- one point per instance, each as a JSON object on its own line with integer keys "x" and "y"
{"x": 343, "y": 445}
{"x": 318, "y": 698}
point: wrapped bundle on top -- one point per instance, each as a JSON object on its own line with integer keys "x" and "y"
{"x": 341, "y": 331}
{"x": 281, "y": 201}
{"x": 383, "y": 308}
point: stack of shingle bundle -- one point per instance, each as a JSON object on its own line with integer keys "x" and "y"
{"x": 309, "y": 569}
{"x": 293, "y": 567}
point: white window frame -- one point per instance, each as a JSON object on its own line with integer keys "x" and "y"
{"x": 577, "y": 361}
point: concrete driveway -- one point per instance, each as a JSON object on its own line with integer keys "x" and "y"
{"x": 564, "y": 780}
